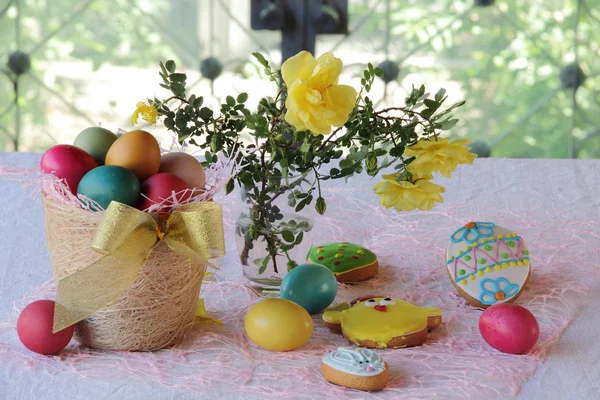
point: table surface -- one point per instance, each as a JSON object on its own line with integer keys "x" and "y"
{"x": 523, "y": 192}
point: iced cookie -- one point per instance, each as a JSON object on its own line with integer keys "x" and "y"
{"x": 487, "y": 264}
{"x": 380, "y": 322}
{"x": 360, "y": 369}
{"x": 349, "y": 262}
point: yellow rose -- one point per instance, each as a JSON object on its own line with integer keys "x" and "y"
{"x": 315, "y": 101}
{"x": 147, "y": 111}
{"x": 438, "y": 156}
{"x": 406, "y": 196}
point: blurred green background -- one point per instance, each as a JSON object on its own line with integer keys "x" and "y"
{"x": 529, "y": 70}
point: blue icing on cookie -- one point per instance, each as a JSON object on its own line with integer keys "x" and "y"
{"x": 473, "y": 232}
{"x": 496, "y": 290}
{"x": 359, "y": 361}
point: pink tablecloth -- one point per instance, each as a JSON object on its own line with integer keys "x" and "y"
{"x": 551, "y": 203}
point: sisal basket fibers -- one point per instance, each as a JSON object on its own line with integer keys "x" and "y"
{"x": 156, "y": 311}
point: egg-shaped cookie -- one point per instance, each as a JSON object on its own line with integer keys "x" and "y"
{"x": 487, "y": 264}
{"x": 348, "y": 261}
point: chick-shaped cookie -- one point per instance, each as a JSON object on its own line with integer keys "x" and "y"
{"x": 380, "y": 322}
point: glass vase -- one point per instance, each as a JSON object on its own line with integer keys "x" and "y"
{"x": 263, "y": 270}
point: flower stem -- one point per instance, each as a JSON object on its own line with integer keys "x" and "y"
{"x": 329, "y": 138}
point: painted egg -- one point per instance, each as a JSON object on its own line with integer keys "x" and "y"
{"x": 138, "y": 151}
{"x": 110, "y": 182}
{"x": 67, "y": 162}
{"x": 34, "y": 328}
{"x": 161, "y": 187}
{"x": 312, "y": 286}
{"x": 278, "y": 325}
{"x": 95, "y": 141}
{"x": 509, "y": 328}
{"x": 487, "y": 263}
{"x": 186, "y": 167}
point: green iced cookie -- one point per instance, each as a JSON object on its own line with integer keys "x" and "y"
{"x": 343, "y": 258}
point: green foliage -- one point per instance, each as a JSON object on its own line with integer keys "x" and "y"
{"x": 115, "y": 31}
{"x": 505, "y": 58}
{"x": 280, "y": 160}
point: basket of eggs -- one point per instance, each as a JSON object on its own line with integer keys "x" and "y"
{"x": 129, "y": 233}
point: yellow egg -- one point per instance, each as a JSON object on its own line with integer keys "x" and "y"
{"x": 138, "y": 151}
{"x": 278, "y": 325}
{"x": 186, "y": 167}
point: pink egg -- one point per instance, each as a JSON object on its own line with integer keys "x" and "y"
{"x": 160, "y": 187}
{"x": 34, "y": 328}
{"x": 67, "y": 162}
{"x": 509, "y": 328}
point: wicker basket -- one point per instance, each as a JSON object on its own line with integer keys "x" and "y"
{"x": 156, "y": 311}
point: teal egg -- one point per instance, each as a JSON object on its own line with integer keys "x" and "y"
{"x": 110, "y": 183}
{"x": 312, "y": 286}
{"x": 95, "y": 141}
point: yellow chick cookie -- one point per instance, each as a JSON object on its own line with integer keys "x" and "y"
{"x": 383, "y": 322}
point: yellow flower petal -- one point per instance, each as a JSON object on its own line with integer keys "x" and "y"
{"x": 147, "y": 111}
{"x": 404, "y": 205}
{"x": 134, "y": 117}
{"x": 388, "y": 194}
{"x": 313, "y": 96}
{"x": 296, "y": 99}
{"x": 296, "y": 122}
{"x": 327, "y": 72}
{"x": 318, "y": 126}
{"x": 406, "y": 196}
{"x": 300, "y": 66}
{"x": 342, "y": 99}
{"x": 438, "y": 156}
{"x": 320, "y": 112}
{"x": 315, "y": 101}
{"x": 389, "y": 177}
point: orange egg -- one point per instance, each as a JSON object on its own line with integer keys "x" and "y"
{"x": 138, "y": 151}
{"x": 186, "y": 167}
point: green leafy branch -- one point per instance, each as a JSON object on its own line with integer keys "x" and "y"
{"x": 279, "y": 160}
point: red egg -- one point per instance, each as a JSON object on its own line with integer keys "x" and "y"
{"x": 160, "y": 187}
{"x": 509, "y": 328}
{"x": 34, "y": 328}
{"x": 67, "y": 162}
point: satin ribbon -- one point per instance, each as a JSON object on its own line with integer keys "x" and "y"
{"x": 126, "y": 237}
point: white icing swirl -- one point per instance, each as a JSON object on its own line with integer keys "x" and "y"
{"x": 360, "y": 361}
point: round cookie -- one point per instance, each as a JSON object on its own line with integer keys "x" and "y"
{"x": 348, "y": 261}
{"x": 360, "y": 369}
{"x": 383, "y": 322}
{"x": 488, "y": 264}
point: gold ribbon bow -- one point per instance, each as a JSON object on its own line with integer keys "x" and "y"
{"x": 126, "y": 237}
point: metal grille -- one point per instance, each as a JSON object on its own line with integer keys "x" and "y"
{"x": 528, "y": 69}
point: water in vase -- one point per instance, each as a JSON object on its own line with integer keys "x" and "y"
{"x": 251, "y": 256}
